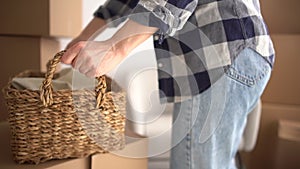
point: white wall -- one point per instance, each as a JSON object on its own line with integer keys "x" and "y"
{"x": 89, "y": 7}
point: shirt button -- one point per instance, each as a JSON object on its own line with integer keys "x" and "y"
{"x": 160, "y": 65}
{"x": 156, "y": 37}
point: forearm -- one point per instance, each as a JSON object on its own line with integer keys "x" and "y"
{"x": 100, "y": 57}
{"x": 94, "y": 25}
{"x": 131, "y": 35}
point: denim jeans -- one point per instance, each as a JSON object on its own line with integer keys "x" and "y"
{"x": 207, "y": 128}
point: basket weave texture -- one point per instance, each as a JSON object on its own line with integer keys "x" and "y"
{"x": 47, "y": 124}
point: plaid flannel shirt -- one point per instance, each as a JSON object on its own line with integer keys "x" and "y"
{"x": 197, "y": 39}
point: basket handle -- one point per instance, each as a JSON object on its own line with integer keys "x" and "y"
{"x": 46, "y": 88}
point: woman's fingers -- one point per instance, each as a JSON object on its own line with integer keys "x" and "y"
{"x": 92, "y": 59}
{"x": 84, "y": 64}
{"x": 93, "y": 73}
{"x": 72, "y": 53}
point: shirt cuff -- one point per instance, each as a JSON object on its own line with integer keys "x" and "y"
{"x": 163, "y": 15}
{"x": 114, "y": 12}
{"x": 145, "y": 17}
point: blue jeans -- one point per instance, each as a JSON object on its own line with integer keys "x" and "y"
{"x": 207, "y": 128}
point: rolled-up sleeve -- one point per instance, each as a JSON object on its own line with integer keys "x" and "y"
{"x": 169, "y": 16}
{"x": 115, "y": 11}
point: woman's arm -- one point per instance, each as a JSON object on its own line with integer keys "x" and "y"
{"x": 131, "y": 35}
{"x": 94, "y": 25}
{"x": 97, "y": 58}
{"x": 148, "y": 16}
{"x": 113, "y": 12}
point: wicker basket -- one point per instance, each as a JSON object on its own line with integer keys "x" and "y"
{"x": 49, "y": 124}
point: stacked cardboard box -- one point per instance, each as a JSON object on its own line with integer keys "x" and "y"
{"x": 284, "y": 86}
{"x": 46, "y": 18}
{"x": 28, "y": 34}
{"x": 272, "y": 149}
{"x": 278, "y": 145}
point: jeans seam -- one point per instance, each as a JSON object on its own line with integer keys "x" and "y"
{"x": 188, "y": 154}
{"x": 188, "y": 137}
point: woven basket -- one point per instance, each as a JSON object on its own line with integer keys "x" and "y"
{"x": 47, "y": 124}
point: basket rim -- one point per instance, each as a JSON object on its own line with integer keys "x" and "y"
{"x": 26, "y": 73}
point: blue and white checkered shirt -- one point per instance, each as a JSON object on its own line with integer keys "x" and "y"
{"x": 197, "y": 39}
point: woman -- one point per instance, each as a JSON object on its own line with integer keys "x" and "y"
{"x": 214, "y": 60}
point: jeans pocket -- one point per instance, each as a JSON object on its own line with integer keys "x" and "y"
{"x": 248, "y": 68}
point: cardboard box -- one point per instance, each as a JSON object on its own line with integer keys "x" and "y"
{"x": 56, "y": 18}
{"x": 6, "y": 161}
{"x": 134, "y": 156}
{"x": 268, "y": 147}
{"x": 284, "y": 85}
{"x": 22, "y": 53}
{"x": 281, "y": 17}
{"x": 109, "y": 161}
{"x": 288, "y": 147}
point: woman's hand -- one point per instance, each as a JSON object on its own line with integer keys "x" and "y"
{"x": 75, "y": 40}
{"x": 94, "y": 58}
{"x": 97, "y": 58}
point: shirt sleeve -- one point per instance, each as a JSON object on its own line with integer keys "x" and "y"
{"x": 167, "y": 15}
{"x": 115, "y": 11}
